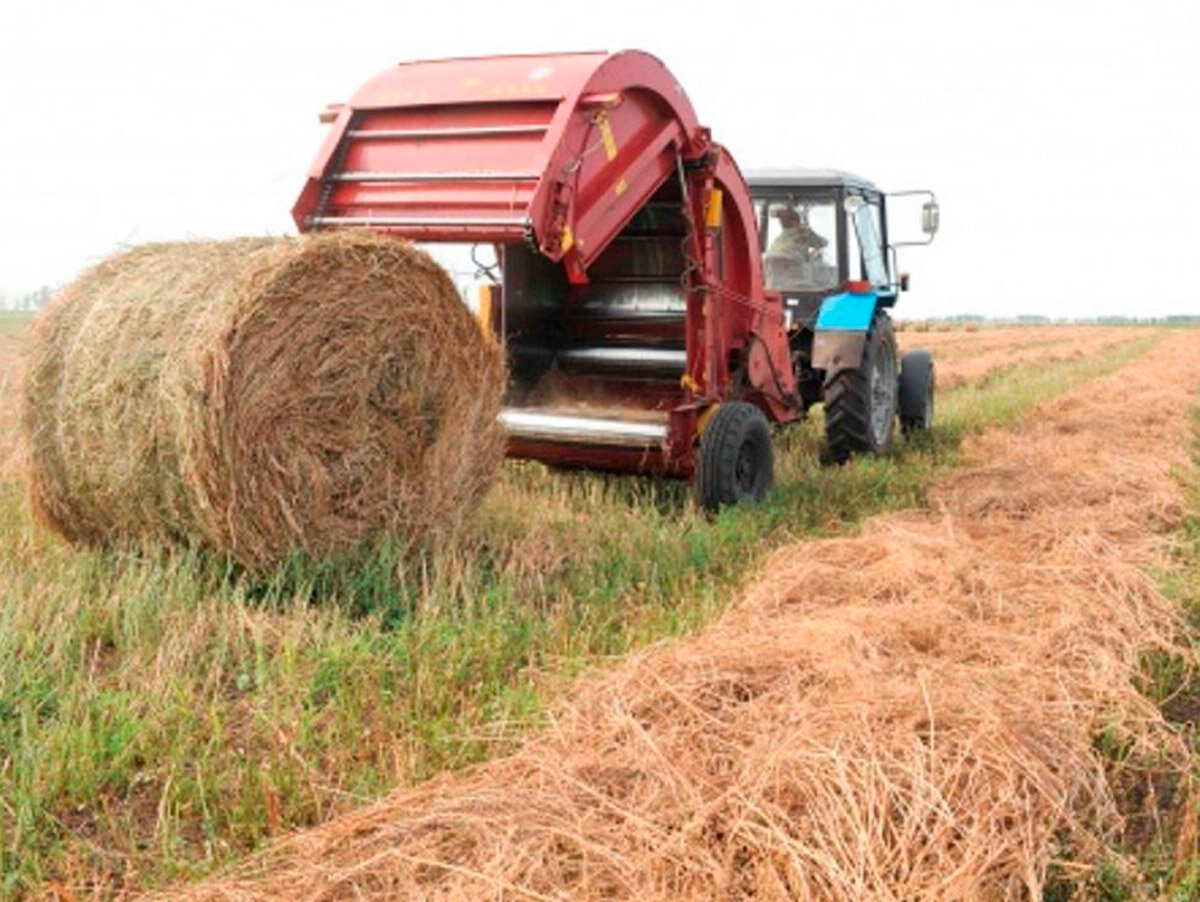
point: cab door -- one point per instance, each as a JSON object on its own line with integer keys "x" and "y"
{"x": 867, "y": 261}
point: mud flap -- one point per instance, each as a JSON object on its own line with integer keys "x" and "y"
{"x": 840, "y": 333}
{"x": 837, "y": 350}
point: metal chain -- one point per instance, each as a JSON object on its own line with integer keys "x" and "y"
{"x": 483, "y": 269}
{"x": 691, "y": 264}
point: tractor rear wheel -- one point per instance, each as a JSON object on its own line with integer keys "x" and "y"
{"x": 860, "y": 403}
{"x": 736, "y": 462}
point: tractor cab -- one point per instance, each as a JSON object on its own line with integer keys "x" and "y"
{"x": 821, "y": 229}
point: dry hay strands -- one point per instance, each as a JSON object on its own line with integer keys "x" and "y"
{"x": 260, "y": 397}
{"x": 908, "y": 713}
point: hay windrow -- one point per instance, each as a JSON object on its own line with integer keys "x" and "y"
{"x": 909, "y": 713}
{"x": 261, "y": 396}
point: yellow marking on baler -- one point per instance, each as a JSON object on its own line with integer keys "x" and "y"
{"x": 689, "y": 383}
{"x": 712, "y": 213}
{"x": 703, "y": 418}
{"x": 568, "y": 239}
{"x": 484, "y": 314}
{"x": 606, "y": 135}
{"x": 620, "y": 187}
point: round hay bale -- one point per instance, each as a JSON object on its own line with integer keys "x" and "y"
{"x": 262, "y": 396}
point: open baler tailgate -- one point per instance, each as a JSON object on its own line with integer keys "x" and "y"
{"x": 412, "y": 170}
{"x": 561, "y": 149}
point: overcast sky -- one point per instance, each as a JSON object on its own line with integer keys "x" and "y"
{"x": 1061, "y": 137}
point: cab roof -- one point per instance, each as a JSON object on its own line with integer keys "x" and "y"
{"x": 807, "y": 178}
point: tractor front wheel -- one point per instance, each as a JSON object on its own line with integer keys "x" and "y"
{"x": 736, "y": 462}
{"x": 860, "y": 403}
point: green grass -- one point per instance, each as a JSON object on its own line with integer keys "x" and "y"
{"x": 14, "y": 321}
{"x": 1159, "y": 837}
{"x": 1174, "y": 683}
{"x": 160, "y": 715}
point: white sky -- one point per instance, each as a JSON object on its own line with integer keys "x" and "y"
{"x": 1061, "y": 137}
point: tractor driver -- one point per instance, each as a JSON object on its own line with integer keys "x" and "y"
{"x": 797, "y": 241}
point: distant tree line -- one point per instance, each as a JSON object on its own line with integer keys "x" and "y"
{"x": 33, "y": 300}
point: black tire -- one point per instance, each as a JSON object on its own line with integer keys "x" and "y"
{"x": 860, "y": 403}
{"x": 917, "y": 382}
{"x": 736, "y": 461}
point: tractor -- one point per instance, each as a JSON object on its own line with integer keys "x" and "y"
{"x": 824, "y": 240}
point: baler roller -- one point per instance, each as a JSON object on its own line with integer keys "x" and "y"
{"x": 535, "y": 424}
{"x": 652, "y": 299}
{"x": 626, "y": 362}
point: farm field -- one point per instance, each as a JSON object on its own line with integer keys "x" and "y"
{"x": 972, "y": 356}
{"x": 910, "y": 712}
{"x": 162, "y": 717}
{"x": 12, "y": 336}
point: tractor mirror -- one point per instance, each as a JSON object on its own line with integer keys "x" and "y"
{"x": 930, "y": 218}
{"x": 930, "y": 214}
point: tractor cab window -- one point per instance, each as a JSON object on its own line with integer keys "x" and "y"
{"x": 866, "y": 243}
{"x": 801, "y": 246}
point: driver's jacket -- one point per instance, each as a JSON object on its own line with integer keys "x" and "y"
{"x": 797, "y": 242}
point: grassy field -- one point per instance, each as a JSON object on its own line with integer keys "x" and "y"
{"x": 14, "y": 321}
{"x": 160, "y": 715}
{"x": 1168, "y": 848}
{"x": 1162, "y": 830}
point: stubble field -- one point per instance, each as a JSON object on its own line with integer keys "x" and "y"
{"x": 596, "y": 691}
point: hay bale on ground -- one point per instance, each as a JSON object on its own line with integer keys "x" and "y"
{"x": 260, "y": 396}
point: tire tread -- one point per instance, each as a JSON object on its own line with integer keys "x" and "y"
{"x": 848, "y": 400}
{"x": 719, "y": 452}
